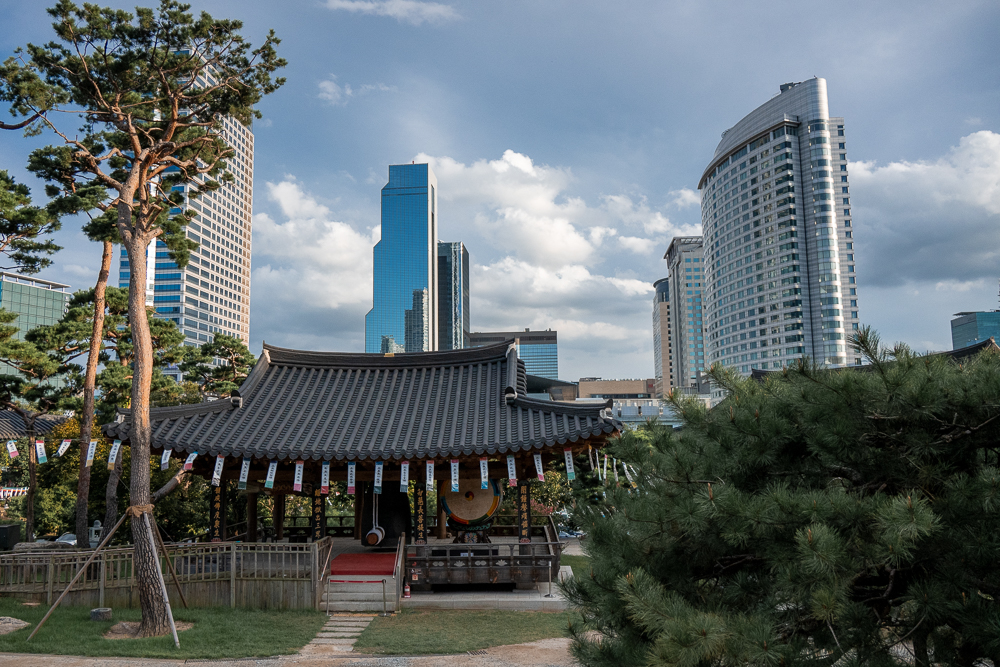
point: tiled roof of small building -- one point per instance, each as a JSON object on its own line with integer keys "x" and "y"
{"x": 330, "y": 405}
{"x": 12, "y": 426}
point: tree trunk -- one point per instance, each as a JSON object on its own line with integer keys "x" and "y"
{"x": 920, "y": 655}
{"x": 89, "y": 382}
{"x": 29, "y": 498}
{"x": 111, "y": 498}
{"x": 154, "y": 609}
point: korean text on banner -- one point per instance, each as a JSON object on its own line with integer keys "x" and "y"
{"x": 63, "y": 447}
{"x": 324, "y": 478}
{"x": 538, "y": 468}
{"x": 404, "y": 477}
{"x": 378, "y": 476}
{"x": 351, "y": 476}
{"x": 511, "y": 471}
{"x": 454, "y": 475}
{"x": 484, "y": 473}
{"x": 165, "y": 459}
{"x": 12, "y": 448}
{"x": 570, "y": 472}
{"x": 91, "y": 452}
{"x": 189, "y": 461}
{"x": 297, "y": 483}
{"x": 220, "y": 462}
{"x": 113, "y": 456}
{"x": 244, "y": 473}
{"x": 40, "y": 451}
{"x": 430, "y": 476}
{"x": 272, "y": 469}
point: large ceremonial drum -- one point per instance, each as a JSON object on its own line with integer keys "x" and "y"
{"x": 471, "y": 505}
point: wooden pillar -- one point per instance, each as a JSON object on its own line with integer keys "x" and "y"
{"x": 279, "y": 516}
{"x": 523, "y": 512}
{"x": 420, "y": 509}
{"x": 318, "y": 520}
{"x": 215, "y": 512}
{"x": 359, "y": 504}
{"x": 251, "y": 517}
{"x": 442, "y": 528}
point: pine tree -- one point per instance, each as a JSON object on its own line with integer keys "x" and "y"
{"x": 817, "y": 517}
{"x": 218, "y": 380}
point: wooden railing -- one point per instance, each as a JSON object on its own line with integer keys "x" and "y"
{"x": 280, "y": 576}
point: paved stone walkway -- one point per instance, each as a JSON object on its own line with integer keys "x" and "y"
{"x": 338, "y": 635}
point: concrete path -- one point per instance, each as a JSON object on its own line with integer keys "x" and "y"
{"x": 338, "y": 635}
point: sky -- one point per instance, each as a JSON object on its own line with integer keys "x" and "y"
{"x": 568, "y": 139}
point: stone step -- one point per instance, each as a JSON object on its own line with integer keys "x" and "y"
{"x": 357, "y": 595}
{"x": 347, "y": 626}
{"x": 345, "y": 635}
{"x": 390, "y": 588}
{"x": 355, "y": 605}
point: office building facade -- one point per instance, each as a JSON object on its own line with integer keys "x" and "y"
{"x": 453, "y": 296}
{"x": 36, "y": 302}
{"x": 404, "y": 314}
{"x": 212, "y": 293}
{"x": 662, "y": 334}
{"x": 779, "y": 237}
{"x": 687, "y": 291}
{"x": 969, "y": 328}
{"x": 539, "y": 350}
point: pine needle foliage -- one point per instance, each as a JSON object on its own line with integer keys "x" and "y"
{"x": 818, "y": 517}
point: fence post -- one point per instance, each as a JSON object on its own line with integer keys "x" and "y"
{"x": 232, "y": 575}
{"x": 104, "y": 576}
{"x": 314, "y": 551}
{"x": 50, "y": 575}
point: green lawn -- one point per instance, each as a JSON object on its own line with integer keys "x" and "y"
{"x": 580, "y": 565}
{"x": 413, "y": 632}
{"x": 218, "y": 632}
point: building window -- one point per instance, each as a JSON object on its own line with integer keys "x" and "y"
{"x": 843, "y": 167}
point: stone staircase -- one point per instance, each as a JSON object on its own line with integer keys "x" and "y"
{"x": 358, "y": 593}
{"x": 338, "y": 635}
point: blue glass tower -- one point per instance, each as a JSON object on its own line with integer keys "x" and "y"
{"x": 453, "y": 296}
{"x": 969, "y": 328}
{"x": 404, "y": 316}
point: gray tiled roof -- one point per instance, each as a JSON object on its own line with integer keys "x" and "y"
{"x": 331, "y": 405}
{"x": 12, "y": 426}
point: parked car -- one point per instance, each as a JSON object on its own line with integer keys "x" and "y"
{"x": 67, "y": 538}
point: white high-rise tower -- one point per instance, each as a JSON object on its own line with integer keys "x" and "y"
{"x": 779, "y": 238}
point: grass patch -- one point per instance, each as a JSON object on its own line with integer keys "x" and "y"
{"x": 218, "y": 632}
{"x": 580, "y": 565}
{"x": 414, "y": 632}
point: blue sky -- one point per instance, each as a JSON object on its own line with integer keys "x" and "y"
{"x": 568, "y": 139}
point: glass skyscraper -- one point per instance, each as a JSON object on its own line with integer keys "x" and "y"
{"x": 36, "y": 302}
{"x": 687, "y": 293}
{"x": 969, "y": 328}
{"x": 453, "y": 296}
{"x": 779, "y": 237}
{"x": 404, "y": 315}
{"x": 663, "y": 354}
{"x": 539, "y": 350}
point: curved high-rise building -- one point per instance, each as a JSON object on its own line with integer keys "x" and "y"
{"x": 778, "y": 237}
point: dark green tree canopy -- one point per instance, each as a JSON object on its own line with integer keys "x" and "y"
{"x": 218, "y": 380}
{"x": 818, "y": 517}
{"x": 21, "y": 226}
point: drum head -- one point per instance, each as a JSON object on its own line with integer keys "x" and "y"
{"x": 472, "y": 504}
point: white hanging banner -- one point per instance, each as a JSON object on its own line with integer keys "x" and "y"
{"x": 165, "y": 459}
{"x": 511, "y": 471}
{"x": 351, "y": 476}
{"x": 324, "y": 478}
{"x": 628, "y": 476}
{"x": 404, "y": 477}
{"x": 40, "y": 451}
{"x": 63, "y": 447}
{"x": 605, "y": 476}
{"x": 189, "y": 461}
{"x": 614, "y": 466}
{"x": 91, "y": 452}
{"x": 430, "y": 476}
{"x": 538, "y": 468}
{"x": 297, "y": 484}
{"x": 272, "y": 469}
{"x": 244, "y": 473}
{"x": 570, "y": 472}
{"x": 220, "y": 461}
{"x": 484, "y": 473}
{"x": 378, "y": 477}
{"x": 113, "y": 456}
{"x": 454, "y": 475}
{"x": 12, "y": 448}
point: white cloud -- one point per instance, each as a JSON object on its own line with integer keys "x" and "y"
{"x": 410, "y": 11}
{"x": 685, "y": 197}
{"x": 637, "y": 244}
{"x": 936, "y": 220}
{"x": 338, "y": 95}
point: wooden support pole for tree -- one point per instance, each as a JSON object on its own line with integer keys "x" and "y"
{"x": 79, "y": 572}
{"x": 170, "y": 563}
{"x": 159, "y": 573}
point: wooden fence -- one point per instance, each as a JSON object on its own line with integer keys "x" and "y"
{"x": 262, "y": 576}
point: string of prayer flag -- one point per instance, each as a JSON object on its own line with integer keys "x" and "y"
{"x": 454, "y": 475}
{"x": 430, "y": 476}
{"x": 297, "y": 483}
{"x": 404, "y": 477}
{"x": 13, "y": 491}
{"x": 627, "y": 475}
{"x": 189, "y": 461}
{"x": 63, "y": 447}
{"x": 538, "y": 468}
{"x": 165, "y": 459}
{"x": 351, "y": 476}
{"x": 12, "y": 448}
{"x": 378, "y": 477}
{"x": 511, "y": 471}
{"x": 324, "y": 478}
{"x": 113, "y": 456}
{"x": 40, "y": 451}
{"x": 244, "y": 473}
{"x": 272, "y": 468}
{"x": 91, "y": 452}
{"x": 220, "y": 461}
{"x": 484, "y": 473}
{"x": 570, "y": 472}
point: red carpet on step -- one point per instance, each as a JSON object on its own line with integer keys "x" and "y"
{"x": 365, "y": 564}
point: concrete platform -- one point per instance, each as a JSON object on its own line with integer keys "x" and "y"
{"x": 516, "y": 600}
